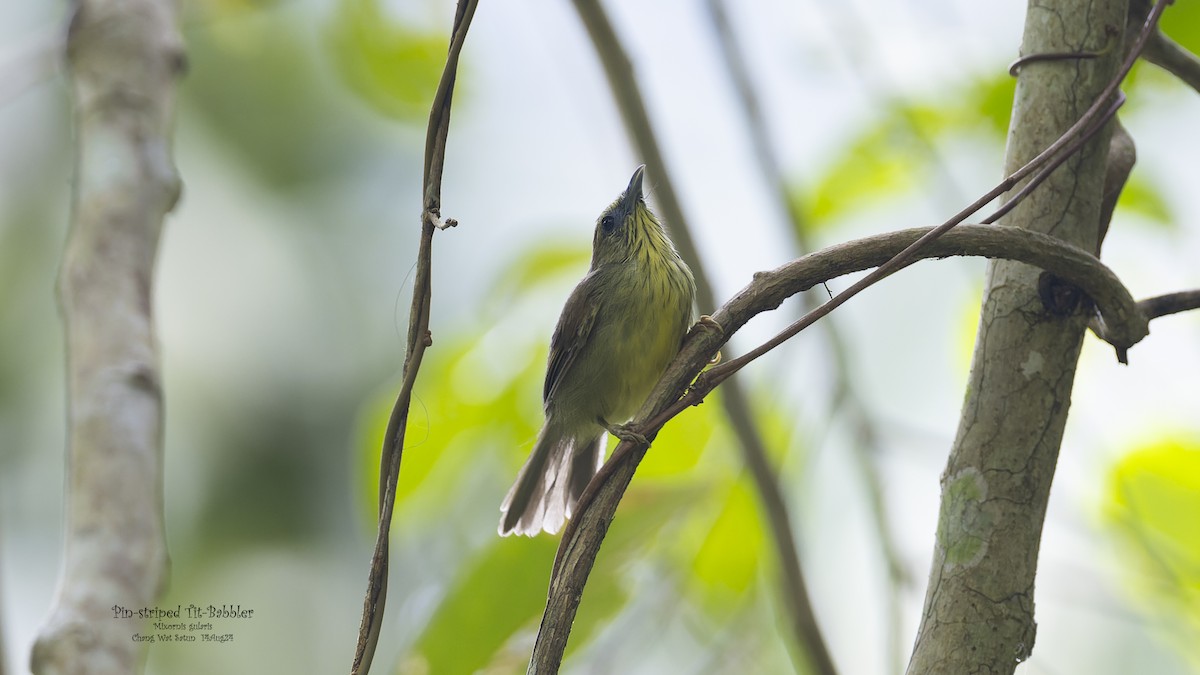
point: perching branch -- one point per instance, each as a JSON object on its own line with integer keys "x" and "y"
{"x": 1124, "y": 324}
{"x": 1041, "y": 166}
{"x": 125, "y": 57}
{"x": 583, "y": 536}
{"x": 910, "y": 254}
{"x": 585, "y": 533}
{"x": 806, "y": 633}
{"x": 419, "y": 338}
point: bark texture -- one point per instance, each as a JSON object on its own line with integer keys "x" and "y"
{"x": 124, "y": 56}
{"x": 978, "y": 615}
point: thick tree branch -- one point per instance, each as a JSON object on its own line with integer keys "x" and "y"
{"x": 582, "y": 537}
{"x": 125, "y": 57}
{"x": 1041, "y": 166}
{"x": 996, "y": 484}
{"x": 1124, "y": 325}
{"x": 1171, "y": 303}
{"x": 419, "y": 338}
{"x": 584, "y": 534}
{"x": 916, "y": 251}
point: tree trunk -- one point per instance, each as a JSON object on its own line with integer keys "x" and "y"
{"x": 978, "y": 615}
{"x": 124, "y": 56}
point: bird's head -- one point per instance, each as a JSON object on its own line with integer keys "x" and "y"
{"x": 627, "y": 227}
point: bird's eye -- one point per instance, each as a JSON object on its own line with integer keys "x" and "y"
{"x": 607, "y": 224}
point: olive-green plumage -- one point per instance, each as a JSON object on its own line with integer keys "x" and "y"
{"x": 620, "y": 328}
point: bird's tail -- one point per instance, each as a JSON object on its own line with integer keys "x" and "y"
{"x": 549, "y": 485}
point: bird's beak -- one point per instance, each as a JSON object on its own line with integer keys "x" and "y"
{"x": 633, "y": 193}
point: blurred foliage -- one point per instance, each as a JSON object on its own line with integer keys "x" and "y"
{"x": 501, "y": 590}
{"x": 893, "y": 154}
{"x": 727, "y": 563}
{"x": 262, "y": 491}
{"x": 26, "y": 230}
{"x": 684, "y": 440}
{"x": 691, "y": 507}
{"x": 1181, "y": 22}
{"x": 535, "y": 268}
{"x": 230, "y": 8}
{"x": 256, "y": 79}
{"x": 876, "y": 165}
{"x": 1142, "y": 197}
{"x": 447, "y": 424}
{"x": 1153, "y": 508}
{"x": 991, "y": 99}
{"x": 966, "y": 328}
{"x": 501, "y": 593}
{"x": 392, "y": 67}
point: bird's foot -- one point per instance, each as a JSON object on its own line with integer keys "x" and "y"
{"x": 625, "y": 432}
{"x": 706, "y": 322}
{"x": 710, "y": 323}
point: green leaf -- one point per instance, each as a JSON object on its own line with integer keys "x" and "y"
{"x": 1155, "y": 492}
{"x": 254, "y": 81}
{"x": 966, "y": 327}
{"x": 777, "y": 425}
{"x": 502, "y": 593}
{"x": 894, "y": 155}
{"x": 726, "y": 564}
{"x": 992, "y": 101}
{"x": 643, "y": 515}
{"x": 459, "y": 409}
{"x": 475, "y": 393}
{"x": 393, "y": 68}
{"x": 1153, "y": 506}
{"x": 678, "y": 447}
{"x": 1181, "y": 22}
{"x": 537, "y": 266}
{"x": 878, "y": 164}
{"x": 502, "y": 590}
{"x": 1143, "y": 198}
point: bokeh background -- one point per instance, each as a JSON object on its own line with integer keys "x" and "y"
{"x": 285, "y": 276}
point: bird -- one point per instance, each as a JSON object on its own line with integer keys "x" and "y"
{"x": 618, "y": 331}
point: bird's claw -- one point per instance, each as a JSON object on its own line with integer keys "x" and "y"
{"x": 710, "y": 323}
{"x": 706, "y": 322}
{"x": 625, "y": 432}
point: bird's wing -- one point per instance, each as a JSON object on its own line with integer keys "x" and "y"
{"x": 572, "y": 332}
